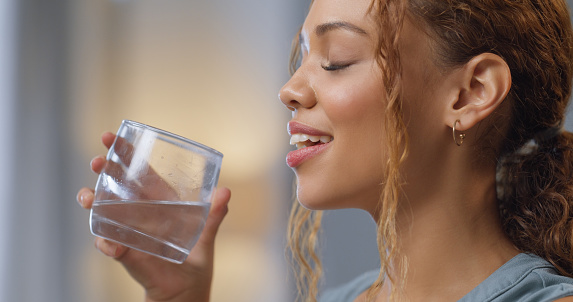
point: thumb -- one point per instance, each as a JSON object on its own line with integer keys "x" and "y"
{"x": 219, "y": 209}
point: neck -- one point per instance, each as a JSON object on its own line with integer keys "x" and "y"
{"x": 446, "y": 231}
{"x": 442, "y": 245}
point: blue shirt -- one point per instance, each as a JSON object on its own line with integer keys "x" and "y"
{"x": 524, "y": 278}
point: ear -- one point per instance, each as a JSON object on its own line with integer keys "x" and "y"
{"x": 483, "y": 84}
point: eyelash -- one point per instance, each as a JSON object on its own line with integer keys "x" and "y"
{"x": 335, "y": 67}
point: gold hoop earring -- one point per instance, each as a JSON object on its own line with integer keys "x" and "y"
{"x": 458, "y": 139}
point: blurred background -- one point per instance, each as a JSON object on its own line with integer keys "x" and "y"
{"x": 207, "y": 70}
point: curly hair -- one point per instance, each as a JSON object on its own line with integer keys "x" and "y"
{"x": 533, "y": 154}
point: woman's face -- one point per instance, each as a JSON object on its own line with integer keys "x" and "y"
{"x": 337, "y": 97}
{"x": 337, "y": 94}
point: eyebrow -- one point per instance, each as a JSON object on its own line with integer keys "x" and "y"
{"x": 326, "y": 27}
{"x": 323, "y": 28}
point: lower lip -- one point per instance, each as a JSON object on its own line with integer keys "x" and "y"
{"x": 297, "y": 157}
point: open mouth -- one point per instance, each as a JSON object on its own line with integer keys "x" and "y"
{"x": 304, "y": 140}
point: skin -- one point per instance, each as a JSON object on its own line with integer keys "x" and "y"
{"x": 448, "y": 221}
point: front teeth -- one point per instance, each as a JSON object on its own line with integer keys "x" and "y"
{"x": 298, "y": 139}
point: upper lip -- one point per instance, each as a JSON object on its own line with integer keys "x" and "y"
{"x": 296, "y": 127}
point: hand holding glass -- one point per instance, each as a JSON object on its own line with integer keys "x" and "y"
{"x": 154, "y": 194}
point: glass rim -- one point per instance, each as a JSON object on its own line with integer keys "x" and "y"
{"x": 172, "y": 135}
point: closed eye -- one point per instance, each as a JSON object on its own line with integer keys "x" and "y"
{"x": 334, "y": 67}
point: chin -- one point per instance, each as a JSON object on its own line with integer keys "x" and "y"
{"x": 317, "y": 201}
{"x": 311, "y": 202}
{"x": 311, "y": 206}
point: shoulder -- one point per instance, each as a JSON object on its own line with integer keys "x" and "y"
{"x": 349, "y": 291}
{"x": 541, "y": 282}
{"x": 548, "y": 285}
{"x": 525, "y": 278}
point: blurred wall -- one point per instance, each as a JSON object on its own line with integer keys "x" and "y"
{"x": 7, "y": 123}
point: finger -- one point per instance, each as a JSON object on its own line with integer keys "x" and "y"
{"x": 219, "y": 209}
{"x": 98, "y": 163}
{"x": 110, "y": 248}
{"x": 107, "y": 139}
{"x": 85, "y": 197}
{"x": 124, "y": 150}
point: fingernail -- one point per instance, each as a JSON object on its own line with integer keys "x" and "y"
{"x": 84, "y": 198}
{"x": 80, "y": 198}
{"x": 97, "y": 243}
{"x": 113, "y": 253}
{"x": 106, "y": 249}
{"x": 92, "y": 162}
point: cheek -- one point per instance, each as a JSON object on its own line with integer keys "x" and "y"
{"x": 355, "y": 106}
{"x": 349, "y": 176}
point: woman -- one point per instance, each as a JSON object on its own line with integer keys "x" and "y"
{"x": 442, "y": 119}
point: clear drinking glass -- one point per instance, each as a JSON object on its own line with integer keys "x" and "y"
{"x": 155, "y": 191}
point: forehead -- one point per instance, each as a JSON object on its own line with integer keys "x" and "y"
{"x": 354, "y": 12}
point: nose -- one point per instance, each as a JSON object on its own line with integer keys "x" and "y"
{"x": 298, "y": 92}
